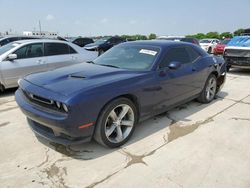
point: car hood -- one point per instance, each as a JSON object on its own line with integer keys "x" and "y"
{"x": 80, "y": 77}
{"x": 205, "y": 44}
{"x": 91, "y": 46}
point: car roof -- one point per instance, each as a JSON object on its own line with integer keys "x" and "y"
{"x": 158, "y": 43}
{"x": 14, "y": 36}
{"x": 38, "y": 40}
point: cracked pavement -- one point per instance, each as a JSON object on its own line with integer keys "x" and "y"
{"x": 193, "y": 145}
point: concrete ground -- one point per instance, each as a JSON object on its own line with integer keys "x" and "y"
{"x": 194, "y": 145}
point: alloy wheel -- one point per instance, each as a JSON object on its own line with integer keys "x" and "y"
{"x": 211, "y": 89}
{"x": 119, "y": 123}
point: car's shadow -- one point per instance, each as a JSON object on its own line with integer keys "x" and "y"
{"x": 93, "y": 150}
{"x": 240, "y": 72}
{"x": 8, "y": 92}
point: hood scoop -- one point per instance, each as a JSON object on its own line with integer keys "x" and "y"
{"x": 78, "y": 75}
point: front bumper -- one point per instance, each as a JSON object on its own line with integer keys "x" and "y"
{"x": 218, "y": 51}
{"x": 55, "y": 126}
{"x": 241, "y": 62}
{"x": 205, "y": 48}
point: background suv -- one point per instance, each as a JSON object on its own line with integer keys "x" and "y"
{"x": 7, "y": 40}
{"x": 80, "y": 41}
{"x": 103, "y": 44}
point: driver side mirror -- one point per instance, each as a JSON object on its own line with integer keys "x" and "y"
{"x": 11, "y": 57}
{"x": 174, "y": 65}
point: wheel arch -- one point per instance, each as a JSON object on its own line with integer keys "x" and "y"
{"x": 131, "y": 97}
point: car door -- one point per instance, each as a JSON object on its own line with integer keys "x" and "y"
{"x": 29, "y": 59}
{"x": 175, "y": 84}
{"x": 59, "y": 55}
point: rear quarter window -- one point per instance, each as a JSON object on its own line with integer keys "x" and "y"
{"x": 56, "y": 49}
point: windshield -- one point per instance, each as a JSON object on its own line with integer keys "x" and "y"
{"x": 129, "y": 57}
{"x": 7, "y": 47}
{"x": 205, "y": 41}
{"x": 102, "y": 40}
{"x": 226, "y": 41}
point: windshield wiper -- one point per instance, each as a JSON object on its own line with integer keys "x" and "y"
{"x": 109, "y": 65}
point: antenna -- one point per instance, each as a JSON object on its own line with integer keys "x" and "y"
{"x": 40, "y": 28}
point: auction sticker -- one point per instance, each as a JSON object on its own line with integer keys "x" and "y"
{"x": 149, "y": 52}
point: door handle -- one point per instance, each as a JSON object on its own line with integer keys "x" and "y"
{"x": 156, "y": 88}
{"x": 40, "y": 61}
{"x": 73, "y": 57}
{"x": 194, "y": 69}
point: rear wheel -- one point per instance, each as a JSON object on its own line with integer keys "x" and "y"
{"x": 116, "y": 123}
{"x": 209, "y": 91}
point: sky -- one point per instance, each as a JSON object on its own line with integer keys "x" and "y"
{"x": 117, "y": 17}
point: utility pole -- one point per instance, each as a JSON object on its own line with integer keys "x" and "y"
{"x": 40, "y": 28}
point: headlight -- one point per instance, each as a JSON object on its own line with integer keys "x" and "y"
{"x": 58, "y": 104}
{"x": 61, "y": 106}
{"x": 65, "y": 107}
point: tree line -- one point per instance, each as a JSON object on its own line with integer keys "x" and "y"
{"x": 218, "y": 35}
{"x": 199, "y": 36}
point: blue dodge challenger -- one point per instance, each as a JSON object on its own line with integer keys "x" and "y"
{"x": 106, "y": 98}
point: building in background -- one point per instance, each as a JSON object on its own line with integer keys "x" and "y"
{"x": 45, "y": 34}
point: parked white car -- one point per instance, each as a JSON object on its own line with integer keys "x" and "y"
{"x": 209, "y": 44}
{"x": 20, "y": 58}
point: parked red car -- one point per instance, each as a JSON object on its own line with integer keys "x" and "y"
{"x": 219, "y": 48}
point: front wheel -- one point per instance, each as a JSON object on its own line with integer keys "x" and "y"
{"x": 1, "y": 88}
{"x": 209, "y": 91}
{"x": 209, "y": 50}
{"x": 100, "y": 52}
{"x": 116, "y": 123}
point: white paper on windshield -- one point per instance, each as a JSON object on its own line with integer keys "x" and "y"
{"x": 149, "y": 52}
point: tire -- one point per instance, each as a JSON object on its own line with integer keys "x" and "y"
{"x": 100, "y": 52}
{"x": 209, "y": 50}
{"x": 209, "y": 91}
{"x": 110, "y": 126}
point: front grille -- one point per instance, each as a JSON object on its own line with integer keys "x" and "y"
{"x": 41, "y": 101}
{"x": 237, "y": 53}
{"x": 238, "y": 60}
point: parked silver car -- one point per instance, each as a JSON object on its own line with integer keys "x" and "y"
{"x": 20, "y": 58}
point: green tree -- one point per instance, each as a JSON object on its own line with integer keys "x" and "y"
{"x": 238, "y": 32}
{"x": 226, "y": 35}
{"x": 212, "y": 35}
{"x": 200, "y": 36}
{"x": 152, "y": 36}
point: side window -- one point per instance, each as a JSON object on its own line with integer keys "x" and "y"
{"x": 56, "y": 49}
{"x": 30, "y": 51}
{"x": 4, "y": 42}
{"x": 13, "y": 39}
{"x": 72, "y": 51}
{"x": 35, "y": 50}
{"x": 112, "y": 40}
{"x": 21, "y": 52}
{"x": 193, "y": 54}
{"x": 79, "y": 42}
{"x": 179, "y": 54}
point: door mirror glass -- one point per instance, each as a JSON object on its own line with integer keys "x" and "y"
{"x": 174, "y": 65}
{"x": 11, "y": 57}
